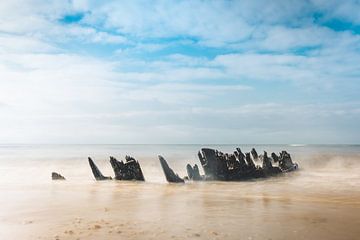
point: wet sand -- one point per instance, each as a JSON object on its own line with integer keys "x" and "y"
{"x": 107, "y": 210}
{"x": 313, "y": 203}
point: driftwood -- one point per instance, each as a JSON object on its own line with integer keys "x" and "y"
{"x": 57, "y": 176}
{"x": 95, "y": 170}
{"x": 169, "y": 173}
{"x": 130, "y": 170}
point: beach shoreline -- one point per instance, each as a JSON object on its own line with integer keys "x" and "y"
{"x": 320, "y": 201}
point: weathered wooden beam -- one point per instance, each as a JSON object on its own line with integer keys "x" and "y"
{"x": 170, "y": 175}
{"x": 95, "y": 170}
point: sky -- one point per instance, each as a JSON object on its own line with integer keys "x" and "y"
{"x": 133, "y": 72}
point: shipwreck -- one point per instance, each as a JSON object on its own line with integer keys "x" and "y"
{"x": 235, "y": 166}
{"x": 216, "y": 165}
{"x": 128, "y": 170}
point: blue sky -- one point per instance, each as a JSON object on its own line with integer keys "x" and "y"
{"x": 179, "y": 71}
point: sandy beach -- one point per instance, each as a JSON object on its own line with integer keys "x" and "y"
{"x": 321, "y": 201}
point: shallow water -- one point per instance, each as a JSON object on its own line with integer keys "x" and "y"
{"x": 320, "y": 201}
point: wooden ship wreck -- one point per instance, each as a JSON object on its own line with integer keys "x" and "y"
{"x": 236, "y": 166}
{"x": 217, "y": 166}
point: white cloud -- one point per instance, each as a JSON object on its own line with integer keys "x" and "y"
{"x": 87, "y": 34}
{"x": 24, "y": 44}
{"x": 212, "y": 22}
{"x": 153, "y": 91}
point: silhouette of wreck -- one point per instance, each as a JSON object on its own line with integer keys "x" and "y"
{"x": 57, "y": 176}
{"x": 169, "y": 173}
{"x": 97, "y": 173}
{"x": 236, "y": 166}
{"x": 128, "y": 170}
{"x": 217, "y": 166}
